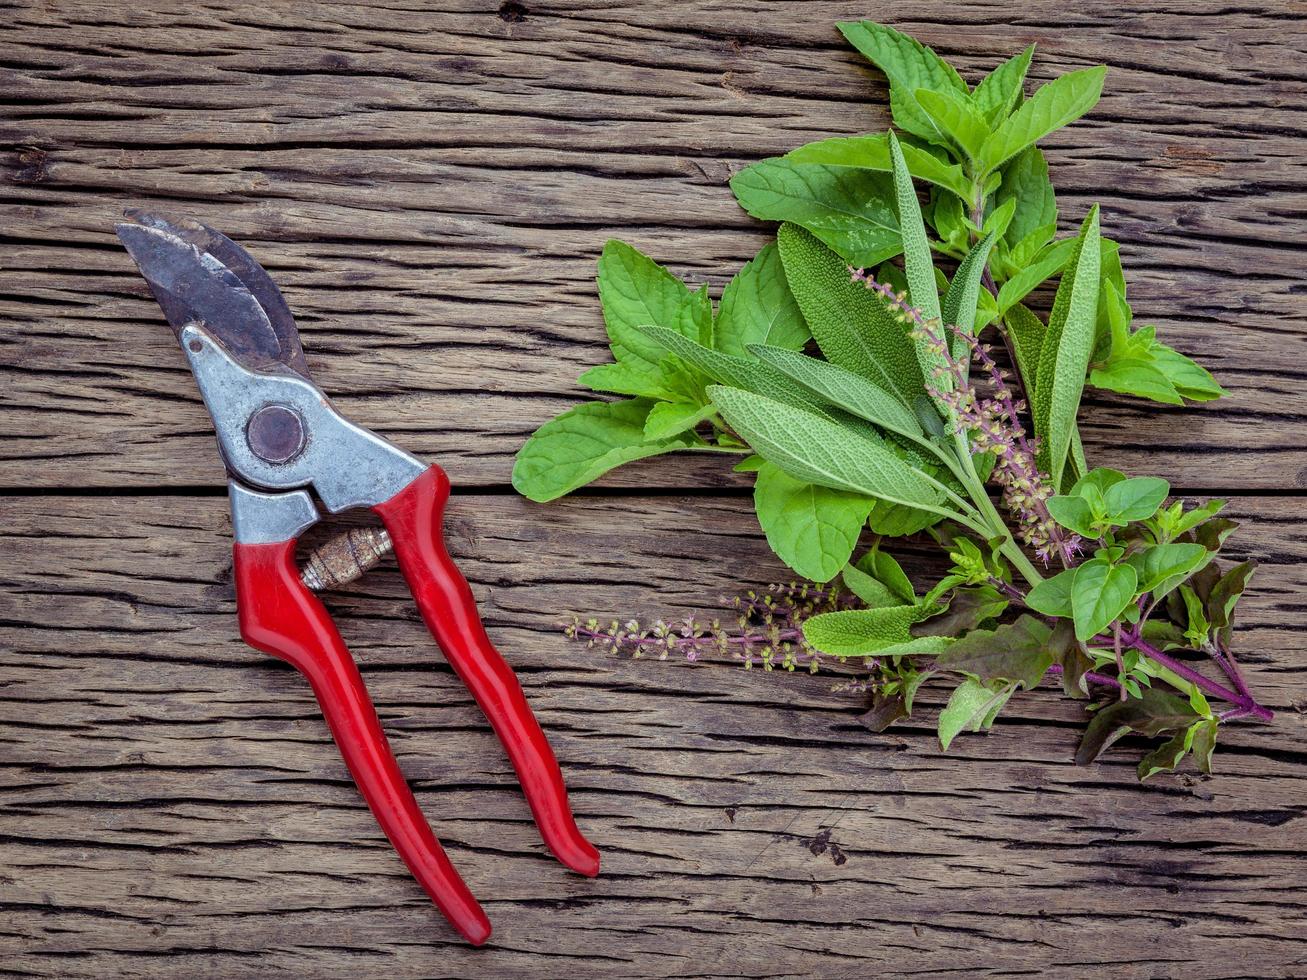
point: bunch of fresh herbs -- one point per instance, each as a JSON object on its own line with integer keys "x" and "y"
{"x": 907, "y": 417}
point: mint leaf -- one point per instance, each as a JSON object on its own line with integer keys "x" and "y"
{"x": 1067, "y": 346}
{"x": 955, "y": 118}
{"x": 635, "y": 291}
{"x": 1052, "y": 597}
{"x": 1138, "y": 376}
{"x": 848, "y": 209}
{"x": 582, "y": 444}
{"x": 812, "y": 529}
{"x": 1017, "y": 652}
{"x": 852, "y": 326}
{"x": 1025, "y": 181}
{"x": 844, "y": 389}
{"x": 860, "y": 632}
{"x": 909, "y": 66}
{"x": 1190, "y": 380}
{"x": 999, "y": 92}
{"x": 1051, "y": 260}
{"x": 812, "y": 448}
{"x": 871, "y": 152}
{"x": 1061, "y": 101}
{"x": 758, "y": 308}
{"x": 667, "y": 419}
{"x": 1100, "y": 592}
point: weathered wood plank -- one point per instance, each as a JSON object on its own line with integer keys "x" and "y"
{"x": 173, "y": 805}
{"x": 432, "y": 188}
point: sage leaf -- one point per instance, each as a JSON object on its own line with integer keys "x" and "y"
{"x": 852, "y": 326}
{"x": 960, "y": 301}
{"x": 667, "y": 419}
{"x": 954, "y": 116}
{"x": 860, "y": 632}
{"x": 849, "y": 210}
{"x": 1026, "y": 332}
{"x": 582, "y": 444}
{"x": 1063, "y": 100}
{"x": 1162, "y": 567}
{"x": 909, "y": 66}
{"x": 999, "y": 92}
{"x": 844, "y": 389}
{"x": 1064, "y": 359}
{"x": 1017, "y": 652}
{"x": 812, "y": 448}
{"x": 813, "y": 529}
{"x": 1100, "y": 592}
{"x": 1052, "y": 596}
{"x": 919, "y": 269}
{"x": 871, "y": 152}
{"x": 757, "y": 307}
{"x": 1154, "y": 712}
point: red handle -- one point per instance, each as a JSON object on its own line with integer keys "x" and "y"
{"x": 278, "y": 615}
{"x": 414, "y": 517}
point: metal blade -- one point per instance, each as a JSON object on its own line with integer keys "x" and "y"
{"x": 199, "y": 274}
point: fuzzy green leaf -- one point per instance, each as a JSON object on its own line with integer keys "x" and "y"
{"x": 852, "y": 326}
{"x": 1026, "y": 332}
{"x": 917, "y": 264}
{"x": 959, "y": 308}
{"x": 758, "y": 308}
{"x": 871, "y": 152}
{"x": 970, "y": 707}
{"x": 1136, "y": 376}
{"x": 999, "y": 92}
{"x": 909, "y": 66}
{"x": 1061, "y": 101}
{"x": 820, "y": 451}
{"x": 849, "y": 391}
{"x": 850, "y": 210}
{"x": 1100, "y": 592}
{"x": 812, "y": 529}
{"x": 1064, "y": 359}
{"x": 582, "y": 444}
{"x": 859, "y": 632}
{"x": 884, "y": 568}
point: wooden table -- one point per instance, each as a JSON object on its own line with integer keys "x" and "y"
{"x": 431, "y": 188}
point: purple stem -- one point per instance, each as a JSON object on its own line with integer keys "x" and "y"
{"x": 1244, "y": 701}
{"x": 1094, "y": 678}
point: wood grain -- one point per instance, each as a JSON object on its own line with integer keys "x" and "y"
{"x": 174, "y": 804}
{"x": 431, "y": 188}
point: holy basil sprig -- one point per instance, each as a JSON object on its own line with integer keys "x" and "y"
{"x": 905, "y": 418}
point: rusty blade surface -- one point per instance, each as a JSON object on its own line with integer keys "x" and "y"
{"x": 199, "y": 274}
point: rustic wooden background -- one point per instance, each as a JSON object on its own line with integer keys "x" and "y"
{"x": 431, "y": 187}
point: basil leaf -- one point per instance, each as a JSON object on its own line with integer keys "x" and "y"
{"x": 582, "y": 444}
{"x": 1165, "y": 757}
{"x": 812, "y": 529}
{"x": 812, "y": 448}
{"x": 1025, "y": 180}
{"x": 852, "y": 325}
{"x": 848, "y": 209}
{"x": 1061, "y": 101}
{"x": 1073, "y": 513}
{"x": 1064, "y": 359}
{"x": 1164, "y": 566}
{"x": 871, "y": 152}
{"x": 844, "y": 389}
{"x": 1136, "y": 499}
{"x": 1100, "y": 592}
{"x": 999, "y": 91}
{"x": 874, "y": 593}
{"x": 1190, "y": 380}
{"x": 1154, "y": 712}
{"x": 1018, "y": 652}
{"x": 758, "y": 308}
{"x": 1052, "y": 597}
{"x": 970, "y": 707}
{"x": 909, "y": 66}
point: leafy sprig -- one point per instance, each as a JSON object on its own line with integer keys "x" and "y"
{"x": 907, "y": 417}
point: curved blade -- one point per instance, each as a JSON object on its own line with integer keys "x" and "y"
{"x": 199, "y": 274}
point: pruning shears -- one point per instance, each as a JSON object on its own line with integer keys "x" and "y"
{"x": 279, "y": 435}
